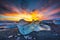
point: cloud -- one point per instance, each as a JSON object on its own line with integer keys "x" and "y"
{"x": 56, "y": 15}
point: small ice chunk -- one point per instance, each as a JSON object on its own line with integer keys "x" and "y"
{"x": 27, "y": 37}
{"x": 18, "y": 34}
{"x": 10, "y": 36}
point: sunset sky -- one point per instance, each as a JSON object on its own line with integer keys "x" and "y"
{"x": 14, "y": 10}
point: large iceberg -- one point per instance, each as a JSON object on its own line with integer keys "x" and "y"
{"x": 26, "y": 28}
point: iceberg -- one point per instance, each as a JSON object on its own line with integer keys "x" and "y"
{"x": 26, "y": 28}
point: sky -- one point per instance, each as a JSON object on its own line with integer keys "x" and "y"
{"x": 10, "y": 9}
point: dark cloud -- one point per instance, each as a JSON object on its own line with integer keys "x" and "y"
{"x": 3, "y": 9}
